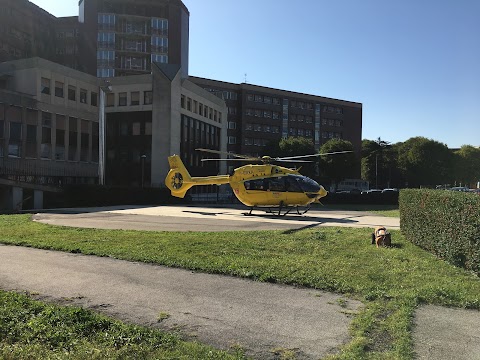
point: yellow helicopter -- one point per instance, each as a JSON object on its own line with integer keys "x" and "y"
{"x": 265, "y": 185}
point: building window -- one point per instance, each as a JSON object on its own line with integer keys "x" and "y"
{"x": 189, "y": 104}
{"x": 135, "y": 100}
{"x": 93, "y": 98}
{"x": 232, "y": 125}
{"x": 83, "y": 96}
{"x": 249, "y": 97}
{"x": 72, "y": 93}
{"x": 122, "y": 99}
{"x": 258, "y": 98}
{"x": 136, "y": 129}
{"x": 232, "y": 140}
{"x": 15, "y": 144}
{"x": 31, "y": 144}
{"x": 110, "y": 101}
{"x": 84, "y": 140}
{"x": 46, "y": 144}
{"x": 45, "y": 86}
{"x": 58, "y": 89}
{"x": 148, "y": 97}
{"x": 148, "y": 128}
{"x": 60, "y": 138}
{"x": 72, "y": 139}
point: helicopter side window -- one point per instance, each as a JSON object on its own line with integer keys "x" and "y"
{"x": 255, "y": 184}
{"x": 292, "y": 184}
{"x": 276, "y": 184}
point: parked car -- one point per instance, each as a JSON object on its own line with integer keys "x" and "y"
{"x": 372, "y": 191}
{"x": 460, "y": 188}
{"x": 390, "y": 190}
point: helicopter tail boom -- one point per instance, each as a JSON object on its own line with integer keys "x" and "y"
{"x": 179, "y": 181}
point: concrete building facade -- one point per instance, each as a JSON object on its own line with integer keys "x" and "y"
{"x": 48, "y": 127}
{"x": 150, "y": 117}
{"x": 258, "y": 114}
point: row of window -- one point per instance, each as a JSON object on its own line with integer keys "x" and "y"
{"x": 28, "y": 139}
{"x": 332, "y": 122}
{"x": 200, "y": 109}
{"x": 300, "y": 132}
{"x": 332, "y": 135}
{"x": 157, "y": 25}
{"x": 106, "y": 40}
{"x": 262, "y": 128}
{"x": 333, "y": 109}
{"x": 134, "y": 98}
{"x": 128, "y": 128}
{"x": 264, "y": 99}
{"x": 293, "y": 103}
{"x": 59, "y": 91}
{"x": 222, "y": 94}
{"x": 301, "y": 104}
{"x": 262, "y": 113}
{"x": 256, "y": 141}
{"x": 301, "y": 118}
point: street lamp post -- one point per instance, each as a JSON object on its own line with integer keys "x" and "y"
{"x": 143, "y": 157}
{"x": 105, "y": 88}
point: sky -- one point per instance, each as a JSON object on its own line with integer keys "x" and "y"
{"x": 414, "y": 65}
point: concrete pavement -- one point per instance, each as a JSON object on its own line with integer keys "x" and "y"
{"x": 217, "y": 310}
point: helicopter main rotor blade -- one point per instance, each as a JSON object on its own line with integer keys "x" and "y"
{"x": 225, "y": 153}
{"x": 313, "y": 155}
{"x": 293, "y": 161}
{"x": 244, "y": 160}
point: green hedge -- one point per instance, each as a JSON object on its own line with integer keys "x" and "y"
{"x": 445, "y": 223}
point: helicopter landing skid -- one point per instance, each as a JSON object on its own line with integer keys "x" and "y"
{"x": 286, "y": 210}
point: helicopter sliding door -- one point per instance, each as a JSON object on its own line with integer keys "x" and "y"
{"x": 265, "y": 192}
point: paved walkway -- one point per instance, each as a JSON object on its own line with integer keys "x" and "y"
{"x": 217, "y": 310}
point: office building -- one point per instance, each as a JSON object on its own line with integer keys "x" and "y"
{"x": 48, "y": 130}
{"x": 121, "y": 37}
{"x": 258, "y": 114}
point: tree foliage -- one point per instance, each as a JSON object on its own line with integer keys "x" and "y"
{"x": 425, "y": 162}
{"x": 337, "y": 167}
{"x": 467, "y": 165}
{"x": 293, "y": 146}
{"x": 379, "y": 163}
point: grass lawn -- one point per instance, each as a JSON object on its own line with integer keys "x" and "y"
{"x": 391, "y": 282}
{"x": 383, "y": 210}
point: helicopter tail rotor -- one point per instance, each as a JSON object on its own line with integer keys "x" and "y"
{"x": 178, "y": 179}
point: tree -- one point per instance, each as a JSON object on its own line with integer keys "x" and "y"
{"x": 337, "y": 167}
{"x": 467, "y": 165}
{"x": 379, "y": 163}
{"x": 293, "y": 146}
{"x": 425, "y": 162}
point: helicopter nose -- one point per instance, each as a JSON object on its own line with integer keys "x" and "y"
{"x": 322, "y": 192}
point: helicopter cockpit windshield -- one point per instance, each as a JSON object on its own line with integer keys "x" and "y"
{"x": 306, "y": 184}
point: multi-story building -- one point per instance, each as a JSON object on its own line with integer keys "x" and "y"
{"x": 150, "y": 117}
{"x": 49, "y": 133}
{"x": 157, "y": 110}
{"x": 122, "y": 37}
{"x": 26, "y": 31}
{"x": 257, "y": 115}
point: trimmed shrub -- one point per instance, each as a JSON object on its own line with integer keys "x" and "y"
{"x": 445, "y": 223}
